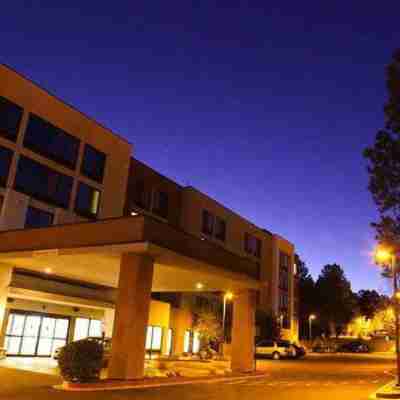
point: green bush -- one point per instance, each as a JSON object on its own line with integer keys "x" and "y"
{"x": 81, "y": 361}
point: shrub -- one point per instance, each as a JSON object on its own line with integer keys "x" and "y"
{"x": 81, "y": 361}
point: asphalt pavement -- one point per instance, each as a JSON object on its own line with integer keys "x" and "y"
{"x": 322, "y": 377}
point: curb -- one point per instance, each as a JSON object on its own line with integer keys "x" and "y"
{"x": 115, "y": 385}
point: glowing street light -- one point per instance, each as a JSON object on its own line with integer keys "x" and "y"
{"x": 228, "y": 296}
{"x": 311, "y": 318}
{"x": 387, "y": 256}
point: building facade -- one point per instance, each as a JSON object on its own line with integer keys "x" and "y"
{"x": 80, "y": 214}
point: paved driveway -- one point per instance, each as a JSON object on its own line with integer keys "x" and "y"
{"x": 325, "y": 377}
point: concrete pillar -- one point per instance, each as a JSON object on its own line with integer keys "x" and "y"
{"x": 5, "y": 279}
{"x": 131, "y": 317}
{"x": 243, "y": 331}
{"x": 108, "y": 322}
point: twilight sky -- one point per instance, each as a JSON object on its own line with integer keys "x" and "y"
{"x": 264, "y": 105}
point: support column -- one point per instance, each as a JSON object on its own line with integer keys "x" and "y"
{"x": 131, "y": 317}
{"x": 5, "y": 279}
{"x": 243, "y": 331}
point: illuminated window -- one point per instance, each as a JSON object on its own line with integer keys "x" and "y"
{"x": 196, "y": 342}
{"x": 85, "y": 327}
{"x": 168, "y": 350}
{"x": 186, "y": 342}
{"x": 87, "y": 201}
{"x": 153, "y": 338}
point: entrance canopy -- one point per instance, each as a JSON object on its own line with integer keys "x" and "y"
{"x": 91, "y": 252}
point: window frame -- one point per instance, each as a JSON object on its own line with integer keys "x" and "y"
{"x": 86, "y": 172}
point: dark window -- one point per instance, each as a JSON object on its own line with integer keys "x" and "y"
{"x": 140, "y": 195}
{"x": 10, "y": 119}
{"x": 36, "y": 218}
{"x": 220, "y": 229}
{"x": 51, "y": 142}
{"x": 41, "y": 182}
{"x": 160, "y": 203}
{"x": 93, "y": 163}
{"x": 5, "y": 162}
{"x": 252, "y": 245}
{"x": 87, "y": 201}
{"x": 1, "y": 203}
{"x": 208, "y": 223}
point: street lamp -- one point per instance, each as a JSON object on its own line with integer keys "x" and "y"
{"x": 228, "y": 296}
{"x": 310, "y": 320}
{"x": 387, "y": 256}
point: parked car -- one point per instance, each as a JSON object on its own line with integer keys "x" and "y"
{"x": 355, "y": 346}
{"x": 106, "y": 346}
{"x": 277, "y": 349}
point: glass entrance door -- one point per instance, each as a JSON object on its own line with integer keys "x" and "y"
{"x": 35, "y": 334}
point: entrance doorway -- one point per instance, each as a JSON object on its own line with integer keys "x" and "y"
{"x": 34, "y": 334}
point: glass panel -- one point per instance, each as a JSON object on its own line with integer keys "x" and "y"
{"x": 45, "y": 347}
{"x": 36, "y": 218}
{"x": 186, "y": 342}
{"x": 57, "y": 344}
{"x": 148, "y": 337}
{"x": 48, "y": 325}
{"x": 18, "y": 325}
{"x": 12, "y": 345}
{"x": 87, "y": 201}
{"x": 42, "y": 182}
{"x": 95, "y": 329}
{"x": 28, "y": 347}
{"x": 196, "y": 342}
{"x": 9, "y": 324}
{"x": 156, "y": 339}
{"x": 168, "y": 349}
{"x": 51, "y": 142}
{"x": 61, "y": 331}
{"x": 32, "y": 326}
{"x": 5, "y": 162}
{"x": 93, "y": 163}
{"x": 81, "y": 328}
{"x": 10, "y": 118}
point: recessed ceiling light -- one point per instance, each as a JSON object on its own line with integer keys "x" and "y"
{"x": 48, "y": 270}
{"x": 199, "y": 285}
{"x": 133, "y": 213}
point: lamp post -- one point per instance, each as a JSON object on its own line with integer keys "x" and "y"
{"x": 388, "y": 256}
{"x": 310, "y": 320}
{"x": 228, "y": 296}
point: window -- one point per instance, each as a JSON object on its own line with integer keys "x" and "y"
{"x": 10, "y": 119}
{"x": 220, "y": 229}
{"x": 36, "y": 218}
{"x": 87, "y": 201}
{"x": 86, "y": 327}
{"x": 1, "y": 203}
{"x": 208, "y": 223}
{"x": 160, "y": 203}
{"x": 5, "y": 162}
{"x": 168, "y": 349}
{"x": 93, "y": 163}
{"x": 51, "y": 142}
{"x": 196, "y": 342}
{"x": 140, "y": 195}
{"x": 186, "y": 341}
{"x": 36, "y": 180}
{"x": 213, "y": 226}
{"x": 252, "y": 245}
{"x": 153, "y": 338}
{"x": 284, "y": 261}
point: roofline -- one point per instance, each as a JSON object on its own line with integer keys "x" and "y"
{"x": 262, "y": 230}
{"x": 157, "y": 172}
{"x": 48, "y": 92}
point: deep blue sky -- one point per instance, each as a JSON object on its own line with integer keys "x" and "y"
{"x": 264, "y": 105}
